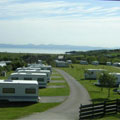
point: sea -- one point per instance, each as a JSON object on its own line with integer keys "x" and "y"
{"x": 33, "y": 50}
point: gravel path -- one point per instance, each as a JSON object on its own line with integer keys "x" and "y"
{"x": 56, "y": 86}
{"x": 68, "y": 110}
{"x": 52, "y": 99}
{"x": 57, "y": 81}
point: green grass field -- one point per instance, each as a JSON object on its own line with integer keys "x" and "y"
{"x": 60, "y": 78}
{"x": 10, "y": 111}
{"x": 7, "y": 75}
{"x": 95, "y": 92}
{"x": 55, "y": 91}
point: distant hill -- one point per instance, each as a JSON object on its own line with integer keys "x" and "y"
{"x": 51, "y": 46}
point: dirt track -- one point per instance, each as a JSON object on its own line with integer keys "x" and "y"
{"x": 68, "y": 110}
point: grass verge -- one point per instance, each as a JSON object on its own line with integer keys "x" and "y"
{"x": 55, "y": 91}
{"x": 9, "y": 112}
{"x": 95, "y": 92}
{"x": 12, "y": 111}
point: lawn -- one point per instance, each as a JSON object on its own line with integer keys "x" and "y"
{"x": 7, "y": 75}
{"x": 17, "y": 110}
{"x": 55, "y": 91}
{"x": 10, "y": 112}
{"x": 59, "y": 78}
{"x": 95, "y": 92}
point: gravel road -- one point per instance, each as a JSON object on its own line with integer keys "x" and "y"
{"x": 68, "y": 110}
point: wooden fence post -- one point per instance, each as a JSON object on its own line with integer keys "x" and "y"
{"x": 93, "y": 110}
{"x": 80, "y": 111}
{"x": 116, "y": 106}
{"x": 104, "y": 108}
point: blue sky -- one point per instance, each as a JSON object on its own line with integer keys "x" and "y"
{"x": 74, "y": 22}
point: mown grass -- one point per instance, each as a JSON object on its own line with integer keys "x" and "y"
{"x": 59, "y": 78}
{"x": 56, "y": 91}
{"x": 57, "y": 84}
{"x": 10, "y": 111}
{"x": 56, "y": 74}
{"x": 95, "y": 92}
{"x": 7, "y": 75}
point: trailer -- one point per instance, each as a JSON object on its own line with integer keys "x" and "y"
{"x": 46, "y": 67}
{"x": 40, "y": 62}
{"x": 40, "y": 77}
{"x": 62, "y": 64}
{"x": 92, "y": 73}
{"x": 41, "y": 66}
{"x": 19, "y": 91}
{"x": 95, "y": 63}
{"x": 69, "y": 61}
{"x": 117, "y": 75}
{"x": 108, "y": 63}
{"x": 27, "y": 68}
{"x": 118, "y": 90}
{"x": 83, "y": 62}
{"x": 117, "y": 82}
{"x": 37, "y": 71}
{"x": 117, "y": 64}
{"x": 2, "y": 63}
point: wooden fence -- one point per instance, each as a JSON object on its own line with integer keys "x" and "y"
{"x": 99, "y": 109}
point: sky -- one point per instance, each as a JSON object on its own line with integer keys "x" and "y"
{"x": 74, "y": 22}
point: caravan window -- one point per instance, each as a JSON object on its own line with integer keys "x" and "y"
{"x": 40, "y": 79}
{"x": 92, "y": 72}
{"x": 14, "y": 78}
{"x": 27, "y": 78}
{"x": 8, "y": 90}
{"x": 30, "y": 90}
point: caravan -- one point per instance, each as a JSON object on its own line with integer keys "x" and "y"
{"x": 40, "y": 77}
{"x": 92, "y": 73}
{"x": 27, "y": 68}
{"x": 37, "y": 71}
{"x": 41, "y": 66}
{"x": 19, "y": 91}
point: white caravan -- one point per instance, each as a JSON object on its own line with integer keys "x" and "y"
{"x": 62, "y": 64}
{"x": 27, "y": 68}
{"x": 117, "y": 75}
{"x": 40, "y": 62}
{"x": 19, "y": 91}
{"x": 82, "y": 62}
{"x": 117, "y": 64}
{"x": 108, "y": 63}
{"x": 69, "y": 61}
{"x": 46, "y": 67}
{"x": 92, "y": 73}
{"x": 37, "y": 71}
{"x": 42, "y": 67}
{"x": 95, "y": 63}
{"x": 40, "y": 77}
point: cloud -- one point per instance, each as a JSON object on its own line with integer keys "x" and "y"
{"x": 59, "y": 22}
{"x": 40, "y": 9}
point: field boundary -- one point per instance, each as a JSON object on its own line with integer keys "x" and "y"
{"x": 98, "y": 110}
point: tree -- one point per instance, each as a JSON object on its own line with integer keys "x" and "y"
{"x": 102, "y": 79}
{"x": 107, "y": 80}
{"x": 17, "y": 64}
